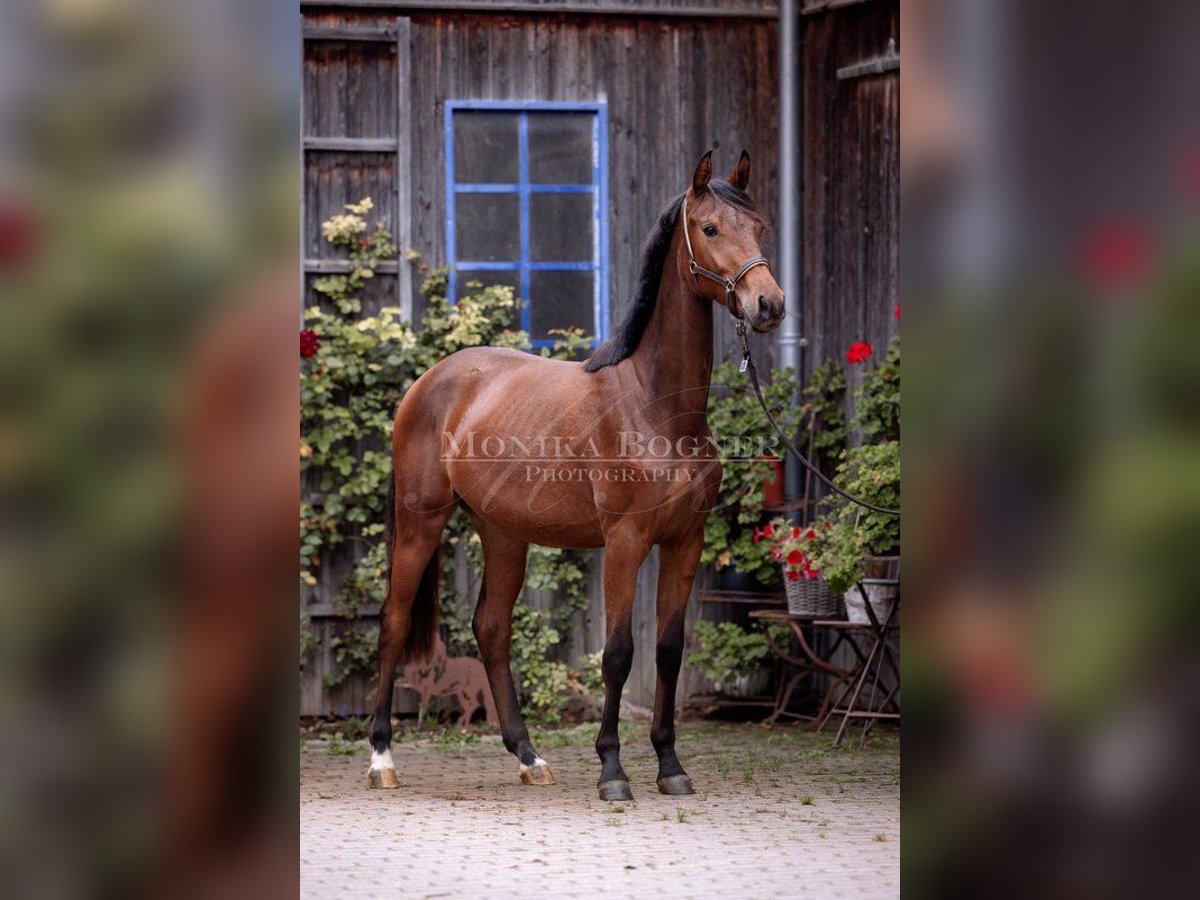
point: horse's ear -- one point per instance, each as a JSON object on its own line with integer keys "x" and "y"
{"x": 703, "y": 173}
{"x": 740, "y": 176}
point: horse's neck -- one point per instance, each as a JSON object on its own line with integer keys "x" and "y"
{"x": 674, "y": 359}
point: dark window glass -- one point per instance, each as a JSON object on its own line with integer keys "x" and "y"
{"x": 488, "y": 227}
{"x": 561, "y": 300}
{"x": 560, "y": 148}
{"x": 485, "y": 147}
{"x": 560, "y": 227}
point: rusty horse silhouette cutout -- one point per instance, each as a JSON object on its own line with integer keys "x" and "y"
{"x": 569, "y": 475}
{"x": 460, "y": 677}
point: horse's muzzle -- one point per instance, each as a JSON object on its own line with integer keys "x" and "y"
{"x": 766, "y": 314}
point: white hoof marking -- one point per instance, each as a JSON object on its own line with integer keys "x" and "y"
{"x": 537, "y": 761}
{"x": 381, "y": 761}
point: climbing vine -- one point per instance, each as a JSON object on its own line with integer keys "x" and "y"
{"x": 354, "y": 370}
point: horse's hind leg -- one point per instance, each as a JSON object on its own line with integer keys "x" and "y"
{"x": 407, "y": 619}
{"x": 503, "y": 574}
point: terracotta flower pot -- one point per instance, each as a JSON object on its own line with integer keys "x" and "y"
{"x": 773, "y": 483}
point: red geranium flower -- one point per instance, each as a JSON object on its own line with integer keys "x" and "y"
{"x": 859, "y": 351}
{"x": 309, "y": 342}
{"x": 810, "y": 535}
{"x": 795, "y": 558}
{"x": 1116, "y": 253}
{"x": 775, "y": 553}
{"x": 768, "y": 531}
{"x": 793, "y": 575}
{"x": 796, "y": 532}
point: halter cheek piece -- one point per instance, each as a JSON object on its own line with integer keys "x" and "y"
{"x": 728, "y": 283}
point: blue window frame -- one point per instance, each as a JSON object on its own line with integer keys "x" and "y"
{"x": 527, "y": 205}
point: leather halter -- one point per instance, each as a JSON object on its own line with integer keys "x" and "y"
{"x": 728, "y": 283}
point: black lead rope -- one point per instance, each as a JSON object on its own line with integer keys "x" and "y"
{"x": 748, "y": 366}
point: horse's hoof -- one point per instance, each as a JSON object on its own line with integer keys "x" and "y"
{"x": 676, "y": 785}
{"x": 382, "y": 778}
{"x": 615, "y": 790}
{"x": 538, "y": 773}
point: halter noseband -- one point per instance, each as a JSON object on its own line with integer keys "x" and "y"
{"x": 728, "y": 283}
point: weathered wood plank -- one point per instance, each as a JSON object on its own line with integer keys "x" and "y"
{"x": 351, "y": 144}
{"x": 706, "y": 9}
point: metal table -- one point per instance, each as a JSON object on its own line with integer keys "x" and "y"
{"x": 847, "y": 687}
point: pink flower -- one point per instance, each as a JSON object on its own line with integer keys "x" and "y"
{"x": 860, "y": 351}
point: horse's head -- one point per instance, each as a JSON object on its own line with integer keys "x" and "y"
{"x": 723, "y": 229}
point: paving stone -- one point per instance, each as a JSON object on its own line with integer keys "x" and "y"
{"x": 462, "y": 824}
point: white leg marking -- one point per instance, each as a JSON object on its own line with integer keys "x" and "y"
{"x": 381, "y": 761}
{"x": 537, "y": 761}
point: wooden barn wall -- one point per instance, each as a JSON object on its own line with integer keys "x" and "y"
{"x": 674, "y": 87}
{"x": 851, "y": 182}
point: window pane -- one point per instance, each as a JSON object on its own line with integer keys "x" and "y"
{"x": 488, "y": 227}
{"x": 487, "y": 279}
{"x": 560, "y": 148}
{"x": 560, "y": 227}
{"x": 485, "y": 147}
{"x": 561, "y": 300}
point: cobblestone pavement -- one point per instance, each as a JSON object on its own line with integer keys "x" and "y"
{"x": 778, "y": 813}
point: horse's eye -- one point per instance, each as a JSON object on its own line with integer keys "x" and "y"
{"x": 710, "y": 230}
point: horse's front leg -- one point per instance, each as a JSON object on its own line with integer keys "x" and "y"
{"x": 624, "y": 552}
{"x": 677, "y": 571}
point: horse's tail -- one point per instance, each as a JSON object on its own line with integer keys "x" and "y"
{"x": 423, "y": 615}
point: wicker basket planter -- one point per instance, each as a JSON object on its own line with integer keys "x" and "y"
{"x": 807, "y": 597}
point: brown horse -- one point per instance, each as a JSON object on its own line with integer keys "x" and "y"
{"x": 614, "y": 452}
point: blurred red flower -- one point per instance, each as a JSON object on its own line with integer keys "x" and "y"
{"x": 309, "y": 342}
{"x": 793, "y": 575}
{"x": 859, "y": 351}
{"x": 1115, "y": 253}
{"x": 795, "y": 558}
{"x": 18, "y": 236}
{"x": 897, "y": 312}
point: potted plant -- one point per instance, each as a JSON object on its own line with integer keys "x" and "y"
{"x": 745, "y": 436}
{"x": 859, "y": 543}
{"x": 796, "y": 550}
{"x": 732, "y": 658}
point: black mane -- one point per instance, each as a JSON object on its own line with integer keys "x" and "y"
{"x": 654, "y": 254}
